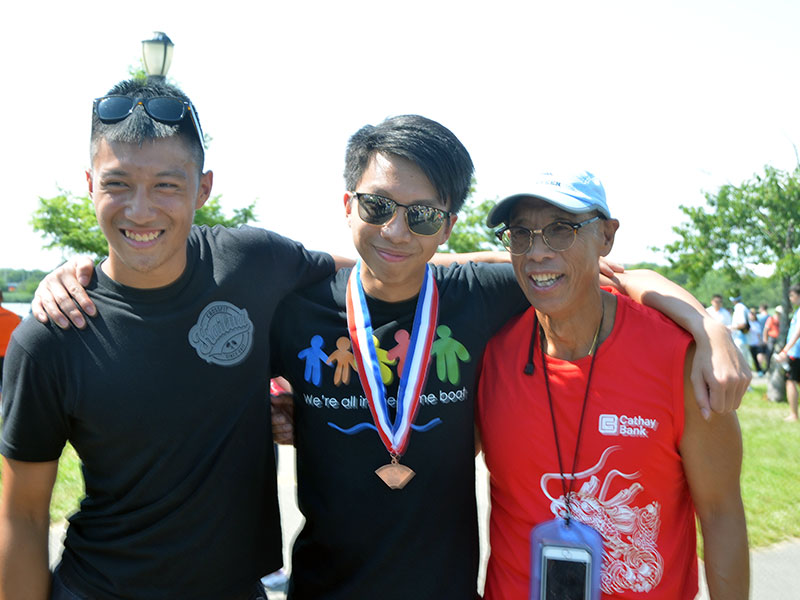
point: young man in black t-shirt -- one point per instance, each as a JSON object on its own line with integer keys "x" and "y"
{"x": 162, "y": 395}
{"x": 406, "y": 178}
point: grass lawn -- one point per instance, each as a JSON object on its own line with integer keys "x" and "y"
{"x": 68, "y": 491}
{"x": 770, "y": 482}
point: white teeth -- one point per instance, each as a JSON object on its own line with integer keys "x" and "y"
{"x": 139, "y": 237}
{"x": 544, "y": 280}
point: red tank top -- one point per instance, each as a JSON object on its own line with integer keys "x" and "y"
{"x": 630, "y": 484}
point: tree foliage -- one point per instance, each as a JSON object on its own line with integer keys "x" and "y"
{"x": 754, "y": 290}
{"x": 756, "y": 222}
{"x": 24, "y": 282}
{"x": 69, "y": 222}
{"x": 470, "y": 233}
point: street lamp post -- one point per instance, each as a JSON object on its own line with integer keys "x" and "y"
{"x": 157, "y": 55}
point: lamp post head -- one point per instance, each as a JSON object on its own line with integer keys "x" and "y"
{"x": 157, "y": 55}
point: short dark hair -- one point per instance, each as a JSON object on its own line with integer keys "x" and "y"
{"x": 426, "y": 143}
{"x": 795, "y": 288}
{"x": 139, "y": 127}
{"x": 716, "y": 296}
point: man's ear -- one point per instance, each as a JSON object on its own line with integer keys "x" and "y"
{"x": 204, "y": 188}
{"x": 90, "y": 182}
{"x": 608, "y": 229}
{"x": 447, "y": 229}
{"x": 348, "y": 207}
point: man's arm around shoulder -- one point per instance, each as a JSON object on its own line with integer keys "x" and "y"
{"x": 24, "y": 529}
{"x": 712, "y": 460}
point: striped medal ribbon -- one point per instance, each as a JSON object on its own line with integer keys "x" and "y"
{"x": 394, "y": 434}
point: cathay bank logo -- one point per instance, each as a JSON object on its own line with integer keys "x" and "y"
{"x": 609, "y": 425}
{"x": 626, "y": 426}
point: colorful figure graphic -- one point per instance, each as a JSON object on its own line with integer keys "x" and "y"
{"x": 448, "y": 352}
{"x": 314, "y": 357}
{"x": 383, "y": 359}
{"x": 344, "y": 360}
{"x": 401, "y": 336}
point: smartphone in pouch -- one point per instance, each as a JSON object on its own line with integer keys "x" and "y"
{"x": 566, "y": 573}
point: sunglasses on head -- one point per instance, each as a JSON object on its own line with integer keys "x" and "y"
{"x": 164, "y": 109}
{"x": 420, "y": 218}
{"x": 558, "y": 236}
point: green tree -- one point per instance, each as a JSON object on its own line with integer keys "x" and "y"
{"x": 754, "y": 290}
{"x": 470, "y": 233}
{"x": 69, "y": 222}
{"x": 25, "y": 283}
{"x": 757, "y": 222}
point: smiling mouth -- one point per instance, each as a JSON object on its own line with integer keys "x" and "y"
{"x": 142, "y": 237}
{"x": 391, "y": 255}
{"x": 545, "y": 280}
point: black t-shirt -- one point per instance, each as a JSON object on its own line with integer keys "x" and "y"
{"x": 164, "y": 397}
{"x": 362, "y": 540}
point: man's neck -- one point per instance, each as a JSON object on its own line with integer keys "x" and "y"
{"x": 390, "y": 291}
{"x": 573, "y": 336}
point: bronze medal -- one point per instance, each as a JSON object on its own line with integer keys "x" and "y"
{"x": 395, "y": 475}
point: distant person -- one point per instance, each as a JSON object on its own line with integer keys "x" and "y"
{"x": 763, "y": 313}
{"x": 163, "y": 395}
{"x": 754, "y": 341}
{"x": 8, "y": 322}
{"x": 792, "y": 350}
{"x": 762, "y": 316}
{"x": 719, "y": 312}
{"x": 740, "y": 324}
{"x": 772, "y": 332}
{"x": 589, "y": 426}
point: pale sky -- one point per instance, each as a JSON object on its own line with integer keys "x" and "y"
{"x": 662, "y": 100}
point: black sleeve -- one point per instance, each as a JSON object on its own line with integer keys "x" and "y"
{"x": 35, "y": 424}
{"x": 296, "y": 266}
{"x": 494, "y": 286}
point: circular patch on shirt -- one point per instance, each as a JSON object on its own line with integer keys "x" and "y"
{"x": 223, "y": 334}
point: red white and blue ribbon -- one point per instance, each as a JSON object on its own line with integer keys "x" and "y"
{"x": 394, "y": 434}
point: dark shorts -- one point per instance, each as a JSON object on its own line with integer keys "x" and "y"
{"x": 794, "y": 369}
{"x": 61, "y": 592}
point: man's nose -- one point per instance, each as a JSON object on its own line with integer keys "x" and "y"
{"x": 139, "y": 206}
{"x": 397, "y": 228}
{"x": 539, "y": 249}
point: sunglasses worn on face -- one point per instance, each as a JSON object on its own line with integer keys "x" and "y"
{"x": 164, "y": 109}
{"x": 420, "y": 218}
{"x": 559, "y": 236}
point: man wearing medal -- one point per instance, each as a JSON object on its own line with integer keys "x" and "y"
{"x": 383, "y": 361}
{"x": 587, "y": 417}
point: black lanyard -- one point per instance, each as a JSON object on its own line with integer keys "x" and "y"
{"x": 593, "y": 351}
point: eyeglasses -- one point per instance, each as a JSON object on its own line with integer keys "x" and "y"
{"x": 559, "y": 236}
{"x": 164, "y": 109}
{"x": 420, "y": 218}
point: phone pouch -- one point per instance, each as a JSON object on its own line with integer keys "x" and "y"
{"x": 572, "y": 533}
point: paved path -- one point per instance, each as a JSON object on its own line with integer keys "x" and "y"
{"x": 774, "y": 570}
